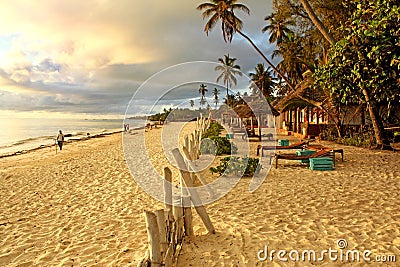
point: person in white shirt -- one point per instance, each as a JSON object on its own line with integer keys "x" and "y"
{"x": 60, "y": 139}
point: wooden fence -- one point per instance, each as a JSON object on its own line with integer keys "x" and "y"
{"x": 167, "y": 227}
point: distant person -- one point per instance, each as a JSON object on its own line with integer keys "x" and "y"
{"x": 60, "y": 139}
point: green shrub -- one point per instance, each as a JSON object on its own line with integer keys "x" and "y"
{"x": 239, "y": 166}
{"x": 218, "y": 146}
{"x": 360, "y": 140}
{"x": 329, "y": 134}
{"x": 214, "y": 130}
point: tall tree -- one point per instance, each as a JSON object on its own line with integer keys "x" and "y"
{"x": 320, "y": 26}
{"x": 202, "y": 101}
{"x": 224, "y": 11}
{"x": 216, "y": 96}
{"x": 263, "y": 79}
{"x": 228, "y": 70}
{"x": 278, "y": 28}
{"x": 365, "y": 64}
{"x": 203, "y": 90}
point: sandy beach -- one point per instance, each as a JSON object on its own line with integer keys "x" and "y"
{"x": 82, "y": 207}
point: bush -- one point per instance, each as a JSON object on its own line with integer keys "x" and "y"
{"x": 360, "y": 140}
{"x": 214, "y": 130}
{"x": 240, "y": 166}
{"x": 329, "y": 134}
{"x": 218, "y": 146}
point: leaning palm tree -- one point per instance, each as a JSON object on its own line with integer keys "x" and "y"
{"x": 317, "y": 22}
{"x": 228, "y": 70}
{"x": 224, "y": 10}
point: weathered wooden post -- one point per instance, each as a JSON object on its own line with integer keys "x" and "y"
{"x": 177, "y": 210}
{"x": 195, "y": 198}
{"x": 187, "y": 212}
{"x": 162, "y": 228}
{"x": 154, "y": 239}
{"x": 168, "y": 189}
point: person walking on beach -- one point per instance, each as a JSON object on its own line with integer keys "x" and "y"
{"x": 60, "y": 139}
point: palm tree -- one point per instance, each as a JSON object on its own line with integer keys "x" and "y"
{"x": 321, "y": 27}
{"x": 374, "y": 114}
{"x": 228, "y": 71}
{"x": 278, "y": 28}
{"x": 202, "y": 101}
{"x": 203, "y": 90}
{"x": 224, "y": 10}
{"x": 216, "y": 98}
{"x": 191, "y": 102}
{"x": 263, "y": 79}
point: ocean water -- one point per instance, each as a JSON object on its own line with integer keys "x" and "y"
{"x": 19, "y": 134}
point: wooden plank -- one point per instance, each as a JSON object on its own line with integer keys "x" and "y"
{"x": 167, "y": 182}
{"x": 168, "y": 257}
{"x": 193, "y": 193}
{"x": 154, "y": 239}
{"x": 162, "y": 227}
{"x": 190, "y": 168}
{"x": 177, "y": 210}
{"x": 187, "y": 212}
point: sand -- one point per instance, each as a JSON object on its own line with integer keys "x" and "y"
{"x": 81, "y": 207}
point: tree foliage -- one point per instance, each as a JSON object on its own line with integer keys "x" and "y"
{"x": 364, "y": 65}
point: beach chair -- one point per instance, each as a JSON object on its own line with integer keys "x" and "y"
{"x": 318, "y": 154}
{"x": 332, "y": 150}
{"x": 298, "y": 145}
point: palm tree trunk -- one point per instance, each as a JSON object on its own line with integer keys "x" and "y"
{"x": 261, "y": 54}
{"x": 321, "y": 27}
{"x": 381, "y": 140}
{"x": 266, "y": 59}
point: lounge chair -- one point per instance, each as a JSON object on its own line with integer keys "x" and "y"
{"x": 298, "y": 145}
{"x": 332, "y": 150}
{"x": 318, "y": 154}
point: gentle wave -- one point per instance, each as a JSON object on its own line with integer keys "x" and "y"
{"x": 86, "y": 129}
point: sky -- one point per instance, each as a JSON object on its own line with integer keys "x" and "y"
{"x": 88, "y": 58}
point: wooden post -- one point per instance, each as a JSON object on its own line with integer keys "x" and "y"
{"x": 187, "y": 212}
{"x": 194, "y": 176}
{"x": 186, "y": 141}
{"x": 154, "y": 239}
{"x": 193, "y": 193}
{"x": 162, "y": 227}
{"x": 259, "y": 127}
{"x": 167, "y": 189}
{"x": 178, "y": 216}
{"x": 168, "y": 257}
{"x": 193, "y": 147}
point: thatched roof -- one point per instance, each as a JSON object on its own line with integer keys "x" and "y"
{"x": 254, "y": 108}
{"x": 243, "y": 111}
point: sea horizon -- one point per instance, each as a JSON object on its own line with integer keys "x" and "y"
{"x": 21, "y": 134}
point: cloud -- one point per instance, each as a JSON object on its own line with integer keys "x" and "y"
{"x": 91, "y": 56}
